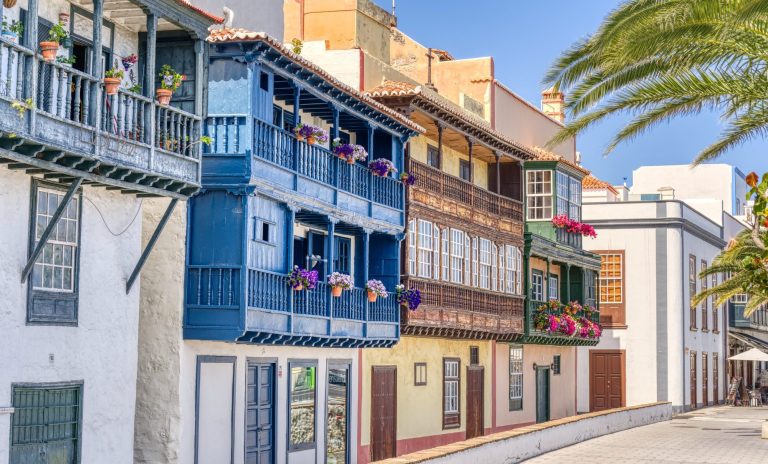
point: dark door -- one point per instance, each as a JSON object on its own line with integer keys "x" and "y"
{"x": 693, "y": 380}
{"x": 474, "y": 401}
{"x": 260, "y": 414}
{"x": 178, "y": 51}
{"x": 606, "y": 379}
{"x": 705, "y": 379}
{"x": 383, "y": 412}
{"x": 316, "y": 247}
{"x": 542, "y": 394}
{"x": 337, "y": 410}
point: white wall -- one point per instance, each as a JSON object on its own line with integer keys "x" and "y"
{"x": 242, "y": 352}
{"x": 101, "y": 350}
{"x": 254, "y": 15}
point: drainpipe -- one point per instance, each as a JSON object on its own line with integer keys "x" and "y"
{"x": 683, "y": 311}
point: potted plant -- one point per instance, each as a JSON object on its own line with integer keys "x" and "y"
{"x": 12, "y": 30}
{"x": 66, "y": 60}
{"x": 339, "y": 282}
{"x": 300, "y": 279}
{"x": 310, "y": 133}
{"x": 375, "y": 289}
{"x": 410, "y": 298}
{"x": 112, "y": 80}
{"x": 50, "y": 47}
{"x": 381, "y": 167}
{"x": 170, "y": 81}
{"x": 407, "y": 179}
{"x": 349, "y": 151}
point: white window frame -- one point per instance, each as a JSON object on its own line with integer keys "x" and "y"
{"x": 436, "y": 251}
{"x": 495, "y": 267}
{"x": 446, "y": 256}
{"x": 63, "y": 241}
{"x": 484, "y": 263}
{"x": 412, "y": 247}
{"x": 467, "y": 259}
{"x": 425, "y": 249}
{"x": 553, "y": 288}
{"x": 451, "y": 380}
{"x": 539, "y": 195}
{"x": 537, "y": 282}
{"x": 457, "y": 256}
{"x": 475, "y": 268}
{"x": 515, "y": 376}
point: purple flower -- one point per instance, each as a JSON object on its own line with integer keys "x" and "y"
{"x": 381, "y": 167}
{"x": 407, "y": 179}
{"x": 377, "y": 287}
{"x": 349, "y": 151}
{"x": 410, "y": 297}
{"x": 300, "y": 277}
{"x": 337, "y": 279}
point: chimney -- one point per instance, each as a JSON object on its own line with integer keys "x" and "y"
{"x": 666, "y": 193}
{"x": 553, "y": 104}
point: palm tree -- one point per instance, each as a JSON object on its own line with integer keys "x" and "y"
{"x": 659, "y": 59}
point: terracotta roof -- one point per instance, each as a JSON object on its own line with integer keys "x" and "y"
{"x": 391, "y": 89}
{"x": 593, "y": 183}
{"x": 211, "y": 16}
{"x": 242, "y": 35}
{"x": 545, "y": 155}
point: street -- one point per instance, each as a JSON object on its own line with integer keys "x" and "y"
{"x": 713, "y": 435}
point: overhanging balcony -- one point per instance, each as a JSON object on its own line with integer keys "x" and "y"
{"x": 57, "y": 121}
{"x": 542, "y": 337}
{"x": 456, "y": 311}
{"x": 269, "y": 311}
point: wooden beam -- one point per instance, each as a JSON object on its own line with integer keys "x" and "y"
{"x": 150, "y": 245}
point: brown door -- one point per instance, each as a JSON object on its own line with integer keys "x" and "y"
{"x": 704, "y": 379}
{"x": 606, "y": 379}
{"x": 693, "y": 380}
{"x": 715, "y": 379}
{"x": 474, "y": 401}
{"x": 383, "y": 412}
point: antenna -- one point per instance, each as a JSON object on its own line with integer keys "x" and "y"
{"x": 393, "y": 7}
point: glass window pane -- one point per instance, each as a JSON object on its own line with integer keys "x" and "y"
{"x": 302, "y": 405}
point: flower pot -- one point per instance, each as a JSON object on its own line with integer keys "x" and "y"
{"x": 371, "y": 297}
{"x": 11, "y": 36}
{"x": 48, "y": 50}
{"x": 350, "y": 161}
{"x": 163, "y": 96}
{"x": 336, "y": 291}
{"x": 311, "y": 140}
{"x": 300, "y": 138}
{"x": 111, "y": 84}
{"x": 298, "y": 288}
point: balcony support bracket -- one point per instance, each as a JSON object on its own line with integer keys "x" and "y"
{"x": 151, "y": 244}
{"x": 50, "y": 228}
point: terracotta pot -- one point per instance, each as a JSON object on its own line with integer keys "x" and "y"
{"x": 111, "y": 84}
{"x": 48, "y": 50}
{"x": 371, "y": 297}
{"x": 300, "y": 138}
{"x": 163, "y": 96}
{"x": 298, "y": 288}
{"x": 336, "y": 291}
{"x": 350, "y": 161}
{"x": 9, "y": 3}
{"x": 311, "y": 140}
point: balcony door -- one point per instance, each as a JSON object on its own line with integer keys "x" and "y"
{"x": 178, "y": 50}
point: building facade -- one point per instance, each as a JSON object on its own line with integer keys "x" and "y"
{"x": 77, "y": 167}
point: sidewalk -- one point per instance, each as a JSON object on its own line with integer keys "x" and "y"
{"x": 718, "y": 435}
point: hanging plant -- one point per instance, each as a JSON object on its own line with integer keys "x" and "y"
{"x": 348, "y": 151}
{"x": 410, "y": 298}
{"x": 339, "y": 282}
{"x": 375, "y": 289}
{"x": 300, "y": 279}
{"x": 381, "y": 167}
{"x": 310, "y": 133}
{"x": 407, "y": 179}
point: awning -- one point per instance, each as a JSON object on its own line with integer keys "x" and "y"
{"x": 751, "y": 355}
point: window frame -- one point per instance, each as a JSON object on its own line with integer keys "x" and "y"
{"x": 612, "y": 313}
{"x": 553, "y": 278}
{"x": 692, "y": 279}
{"x": 302, "y": 363}
{"x": 40, "y": 296}
{"x": 516, "y": 402}
{"x": 258, "y": 224}
{"x": 546, "y": 207}
{"x": 465, "y": 167}
{"x": 434, "y": 151}
{"x": 537, "y": 274}
{"x": 704, "y": 304}
{"x": 715, "y": 308}
{"x": 452, "y": 420}
{"x": 424, "y": 267}
{"x": 556, "y": 364}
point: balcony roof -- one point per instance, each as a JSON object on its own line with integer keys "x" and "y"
{"x": 227, "y": 35}
{"x": 395, "y": 93}
{"x": 541, "y": 154}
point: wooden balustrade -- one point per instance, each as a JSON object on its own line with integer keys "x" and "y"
{"x": 446, "y": 186}
{"x": 13, "y": 68}
{"x": 212, "y": 286}
{"x": 126, "y": 116}
{"x": 65, "y": 92}
{"x": 177, "y": 131}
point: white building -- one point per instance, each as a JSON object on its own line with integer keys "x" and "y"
{"x": 77, "y": 167}
{"x": 654, "y": 239}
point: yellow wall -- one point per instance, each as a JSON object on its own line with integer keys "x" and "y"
{"x": 562, "y": 387}
{"x": 451, "y": 159}
{"x": 420, "y": 409}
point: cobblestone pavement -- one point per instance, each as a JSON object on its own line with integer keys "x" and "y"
{"x": 720, "y": 435}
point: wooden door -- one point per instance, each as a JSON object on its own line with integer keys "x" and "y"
{"x": 705, "y": 379}
{"x": 475, "y": 375}
{"x": 260, "y": 414}
{"x": 606, "y": 379}
{"x": 693, "y": 380}
{"x": 542, "y": 394}
{"x": 383, "y": 412}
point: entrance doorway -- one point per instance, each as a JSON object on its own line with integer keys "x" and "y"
{"x": 383, "y": 412}
{"x": 337, "y": 411}
{"x": 475, "y": 418}
{"x": 542, "y": 394}
{"x": 693, "y": 380}
{"x": 607, "y": 379}
{"x": 260, "y": 413}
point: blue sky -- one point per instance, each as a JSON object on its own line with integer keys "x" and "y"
{"x": 524, "y": 37}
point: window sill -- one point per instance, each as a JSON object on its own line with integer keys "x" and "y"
{"x": 614, "y": 326}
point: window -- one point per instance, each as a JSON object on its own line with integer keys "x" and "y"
{"x": 539, "y": 193}
{"x": 485, "y": 263}
{"x": 342, "y": 261}
{"x": 575, "y": 199}
{"x": 446, "y": 259}
{"x": 46, "y": 417}
{"x": 589, "y": 285}
{"x": 425, "y": 248}
{"x": 611, "y": 288}
{"x": 53, "y": 281}
{"x": 537, "y": 285}
{"x": 568, "y": 196}
{"x": 412, "y": 247}
{"x": 264, "y": 231}
{"x": 475, "y": 270}
{"x": 337, "y": 412}
{"x": 556, "y": 365}
{"x": 715, "y": 325}
{"x": 495, "y": 269}
{"x": 474, "y": 355}
{"x": 467, "y": 260}
{"x": 451, "y": 379}
{"x": 436, "y": 251}
{"x": 514, "y": 270}
{"x": 465, "y": 170}
{"x": 302, "y": 382}
{"x": 264, "y": 81}
{"x": 515, "y": 377}
{"x": 420, "y": 374}
{"x": 705, "y": 303}
{"x": 692, "y": 289}
{"x": 433, "y": 157}
{"x": 553, "y": 292}
{"x": 457, "y": 256}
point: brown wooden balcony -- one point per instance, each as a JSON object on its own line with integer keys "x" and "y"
{"x": 456, "y": 311}
{"x": 456, "y": 197}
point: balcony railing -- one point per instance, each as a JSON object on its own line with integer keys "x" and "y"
{"x": 450, "y": 187}
{"x": 453, "y": 310}
{"x": 566, "y": 238}
{"x": 317, "y": 163}
{"x": 540, "y": 336}
{"x": 131, "y": 131}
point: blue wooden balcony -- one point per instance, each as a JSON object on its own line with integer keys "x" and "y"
{"x": 274, "y": 313}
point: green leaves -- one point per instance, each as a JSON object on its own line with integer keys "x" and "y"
{"x": 661, "y": 59}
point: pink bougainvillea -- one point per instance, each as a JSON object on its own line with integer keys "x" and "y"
{"x": 562, "y": 221}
